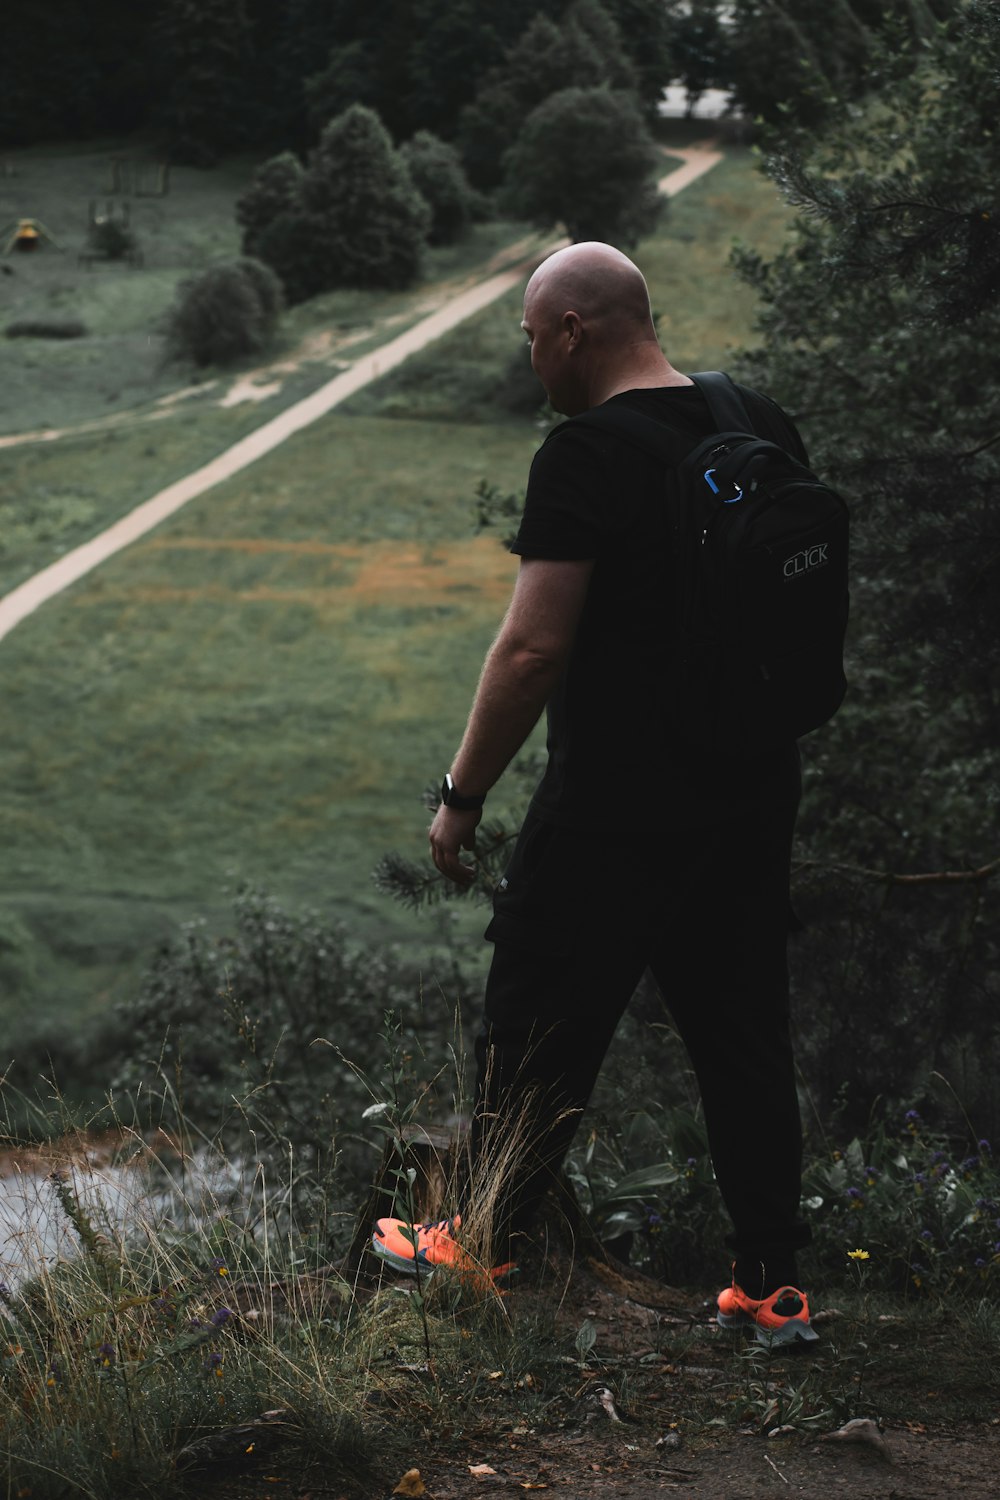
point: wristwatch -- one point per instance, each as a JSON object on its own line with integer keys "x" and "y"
{"x": 453, "y": 798}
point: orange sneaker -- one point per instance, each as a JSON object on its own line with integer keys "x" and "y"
{"x": 401, "y": 1245}
{"x": 778, "y": 1319}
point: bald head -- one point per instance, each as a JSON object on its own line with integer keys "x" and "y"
{"x": 597, "y": 282}
{"x": 588, "y": 320}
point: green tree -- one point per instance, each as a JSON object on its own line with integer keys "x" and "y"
{"x": 350, "y": 77}
{"x": 276, "y": 189}
{"x": 205, "y": 49}
{"x": 646, "y": 36}
{"x": 879, "y": 326}
{"x": 545, "y": 60}
{"x": 584, "y": 157}
{"x": 698, "y": 47}
{"x": 351, "y": 217}
{"x": 789, "y": 60}
{"x": 437, "y": 174}
{"x": 375, "y": 223}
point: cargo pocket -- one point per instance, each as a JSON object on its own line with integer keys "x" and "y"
{"x": 534, "y": 906}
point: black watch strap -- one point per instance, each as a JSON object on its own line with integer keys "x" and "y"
{"x": 453, "y": 798}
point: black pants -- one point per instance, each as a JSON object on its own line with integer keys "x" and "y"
{"x": 576, "y": 922}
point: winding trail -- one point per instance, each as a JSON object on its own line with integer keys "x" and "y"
{"x": 42, "y": 586}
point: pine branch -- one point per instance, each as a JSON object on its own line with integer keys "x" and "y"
{"x": 421, "y": 885}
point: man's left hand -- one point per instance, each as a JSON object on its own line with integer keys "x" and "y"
{"x": 450, "y": 832}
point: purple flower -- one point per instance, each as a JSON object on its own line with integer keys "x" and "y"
{"x": 919, "y": 1179}
{"x": 196, "y": 1323}
{"x": 980, "y": 1263}
{"x": 925, "y": 1234}
{"x": 213, "y": 1362}
{"x": 107, "y": 1353}
{"x": 853, "y": 1192}
{"x": 912, "y": 1118}
{"x": 969, "y": 1164}
{"x": 871, "y": 1171}
{"x": 984, "y": 1147}
{"x": 220, "y": 1316}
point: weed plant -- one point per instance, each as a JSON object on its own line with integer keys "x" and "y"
{"x": 922, "y": 1207}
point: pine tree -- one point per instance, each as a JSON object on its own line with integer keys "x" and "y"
{"x": 879, "y": 329}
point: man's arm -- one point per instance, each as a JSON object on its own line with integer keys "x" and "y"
{"x": 520, "y": 671}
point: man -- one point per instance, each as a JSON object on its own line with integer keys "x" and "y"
{"x": 637, "y": 851}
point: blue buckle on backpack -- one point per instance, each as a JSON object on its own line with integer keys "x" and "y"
{"x": 715, "y": 488}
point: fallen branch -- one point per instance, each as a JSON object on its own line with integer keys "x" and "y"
{"x": 890, "y": 877}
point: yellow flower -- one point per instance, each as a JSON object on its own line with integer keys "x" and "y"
{"x": 858, "y": 1255}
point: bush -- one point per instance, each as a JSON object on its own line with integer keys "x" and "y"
{"x": 440, "y": 179}
{"x": 227, "y": 1027}
{"x": 46, "y": 328}
{"x": 228, "y": 311}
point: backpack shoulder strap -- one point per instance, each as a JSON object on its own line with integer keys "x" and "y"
{"x": 729, "y": 410}
{"x": 655, "y": 438}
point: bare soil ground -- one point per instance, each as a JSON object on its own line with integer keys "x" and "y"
{"x": 680, "y": 1418}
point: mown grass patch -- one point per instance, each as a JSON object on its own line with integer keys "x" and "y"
{"x": 261, "y": 690}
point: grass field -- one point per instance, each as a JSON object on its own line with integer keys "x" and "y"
{"x": 262, "y": 688}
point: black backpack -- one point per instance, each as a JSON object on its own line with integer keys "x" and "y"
{"x": 761, "y": 547}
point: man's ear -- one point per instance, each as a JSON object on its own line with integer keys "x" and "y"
{"x": 572, "y": 326}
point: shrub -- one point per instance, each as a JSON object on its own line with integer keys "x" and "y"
{"x": 228, "y": 311}
{"x": 440, "y": 179}
{"x": 227, "y": 1027}
{"x": 46, "y": 328}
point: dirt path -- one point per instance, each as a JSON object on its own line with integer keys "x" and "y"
{"x": 45, "y": 585}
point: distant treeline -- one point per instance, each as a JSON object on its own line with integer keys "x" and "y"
{"x": 209, "y": 76}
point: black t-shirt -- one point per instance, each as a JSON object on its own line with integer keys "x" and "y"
{"x": 615, "y": 761}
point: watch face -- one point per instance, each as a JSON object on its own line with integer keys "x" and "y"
{"x": 452, "y": 798}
